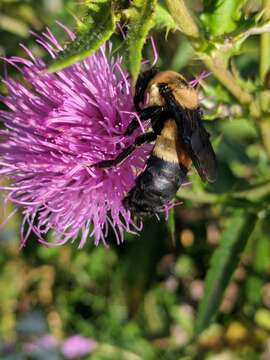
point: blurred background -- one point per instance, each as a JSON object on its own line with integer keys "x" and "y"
{"x": 139, "y": 300}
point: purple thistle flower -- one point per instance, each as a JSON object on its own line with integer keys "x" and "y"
{"x": 45, "y": 342}
{"x": 199, "y": 78}
{"x": 60, "y": 125}
{"x": 77, "y": 346}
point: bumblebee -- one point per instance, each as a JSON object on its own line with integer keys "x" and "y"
{"x": 180, "y": 140}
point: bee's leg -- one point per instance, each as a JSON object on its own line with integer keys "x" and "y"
{"x": 140, "y": 140}
{"x": 152, "y": 112}
{"x": 141, "y": 86}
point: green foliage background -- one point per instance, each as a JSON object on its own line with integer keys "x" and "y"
{"x": 145, "y": 299}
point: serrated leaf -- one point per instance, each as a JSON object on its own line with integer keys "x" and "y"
{"x": 223, "y": 264}
{"x": 141, "y": 19}
{"x": 164, "y": 20}
{"x": 97, "y": 27}
{"x": 222, "y": 16}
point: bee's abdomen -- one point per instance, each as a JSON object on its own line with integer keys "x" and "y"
{"x": 155, "y": 187}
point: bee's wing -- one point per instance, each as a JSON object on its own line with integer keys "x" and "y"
{"x": 200, "y": 148}
{"x": 194, "y": 136}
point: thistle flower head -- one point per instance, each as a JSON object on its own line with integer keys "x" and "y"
{"x": 59, "y": 125}
{"x": 77, "y": 346}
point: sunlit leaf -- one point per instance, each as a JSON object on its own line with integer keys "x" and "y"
{"x": 108, "y": 351}
{"x": 141, "y": 20}
{"x": 223, "y": 264}
{"x": 262, "y": 318}
{"x": 14, "y": 25}
{"x": 164, "y": 20}
{"x": 221, "y": 16}
{"x": 97, "y": 27}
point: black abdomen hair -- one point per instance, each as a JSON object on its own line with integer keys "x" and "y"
{"x": 155, "y": 187}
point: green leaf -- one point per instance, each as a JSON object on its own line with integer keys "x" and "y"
{"x": 259, "y": 252}
{"x": 164, "y": 20}
{"x": 255, "y": 193}
{"x": 108, "y": 351}
{"x": 97, "y": 27}
{"x": 223, "y": 264}
{"x": 222, "y": 16}
{"x": 183, "y": 54}
{"x": 141, "y": 16}
{"x": 14, "y": 25}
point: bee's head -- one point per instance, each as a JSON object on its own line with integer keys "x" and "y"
{"x": 186, "y": 95}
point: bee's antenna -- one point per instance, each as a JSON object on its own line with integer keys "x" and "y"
{"x": 155, "y": 52}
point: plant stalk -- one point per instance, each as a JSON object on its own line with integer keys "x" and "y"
{"x": 264, "y": 67}
{"x": 183, "y": 17}
{"x": 227, "y": 79}
{"x": 265, "y": 44}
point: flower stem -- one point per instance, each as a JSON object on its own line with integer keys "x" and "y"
{"x": 227, "y": 79}
{"x": 265, "y": 44}
{"x": 183, "y": 17}
{"x": 264, "y": 67}
{"x": 265, "y": 133}
{"x": 264, "y": 54}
